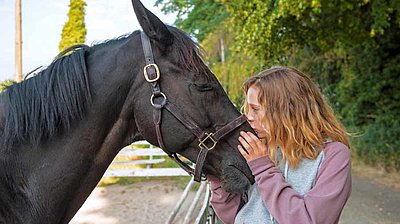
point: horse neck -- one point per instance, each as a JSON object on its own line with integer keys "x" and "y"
{"x": 109, "y": 110}
{"x": 62, "y": 171}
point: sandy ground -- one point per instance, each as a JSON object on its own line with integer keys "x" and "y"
{"x": 371, "y": 203}
{"x": 152, "y": 202}
{"x": 143, "y": 202}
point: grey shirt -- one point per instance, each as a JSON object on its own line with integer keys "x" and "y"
{"x": 302, "y": 179}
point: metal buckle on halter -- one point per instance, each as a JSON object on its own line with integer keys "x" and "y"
{"x": 209, "y": 136}
{"x": 146, "y": 76}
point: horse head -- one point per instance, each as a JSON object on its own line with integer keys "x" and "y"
{"x": 61, "y": 129}
{"x": 177, "y": 94}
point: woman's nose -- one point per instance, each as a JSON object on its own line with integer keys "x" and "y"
{"x": 250, "y": 117}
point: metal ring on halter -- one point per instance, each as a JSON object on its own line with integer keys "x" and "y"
{"x": 203, "y": 177}
{"x": 164, "y": 101}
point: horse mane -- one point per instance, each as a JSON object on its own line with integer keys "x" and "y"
{"x": 189, "y": 52}
{"x": 42, "y": 106}
{"x": 99, "y": 44}
{"x": 185, "y": 49}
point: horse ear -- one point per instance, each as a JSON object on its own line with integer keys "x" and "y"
{"x": 151, "y": 24}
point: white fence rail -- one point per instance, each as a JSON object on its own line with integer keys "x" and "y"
{"x": 199, "y": 211}
{"x": 149, "y": 171}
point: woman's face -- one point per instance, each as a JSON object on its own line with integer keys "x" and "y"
{"x": 256, "y": 112}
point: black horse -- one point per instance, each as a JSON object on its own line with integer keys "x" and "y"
{"x": 61, "y": 129}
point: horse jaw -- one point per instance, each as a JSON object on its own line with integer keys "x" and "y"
{"x": 234, "y": 180}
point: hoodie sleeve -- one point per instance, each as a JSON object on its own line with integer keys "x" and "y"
{"x": 226, "y": 205}
{"x": 330, "y": 192}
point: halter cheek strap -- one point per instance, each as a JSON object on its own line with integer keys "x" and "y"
{"x": 207, "y": 141}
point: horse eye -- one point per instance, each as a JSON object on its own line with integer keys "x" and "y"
{"x": 203, "y": 87}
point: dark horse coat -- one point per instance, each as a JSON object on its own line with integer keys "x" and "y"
{"x": 61, "y": 129}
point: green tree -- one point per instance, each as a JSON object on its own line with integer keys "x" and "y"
{"x": 74, "y": 30}
{"x": 196, "y": 17}
{"x": 6, "y": 83}
{"x": 235, "y": 69}
{"x": 273, "y": 30}
{"x": 349, "y": 47}
{"x": 206, "y": 20}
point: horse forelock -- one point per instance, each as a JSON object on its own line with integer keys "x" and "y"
{"x": 42, "y": 106}
{"x": 188, "y": 52}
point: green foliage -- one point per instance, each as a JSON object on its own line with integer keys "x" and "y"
{"x": 196, "y": 17}
{"x": 273, "y": 30}
{"x": 74, "y": 30}
{"x": 349, "y": 47}
{"x": 360, "y": 79}
{"x": 5, "y": 84}
{"x": 371, "y": 85}
{"x": 379, "y": 143}
{"x": 323, "y": 67}
{"x": 236, "y": 68}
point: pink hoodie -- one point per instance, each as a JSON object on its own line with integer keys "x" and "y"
{"x": 322, "y": 204}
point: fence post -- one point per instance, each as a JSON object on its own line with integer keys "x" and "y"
{"x": 194, "y": 202}
{"x": 180, "y": 202}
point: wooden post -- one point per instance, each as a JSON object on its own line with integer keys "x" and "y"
{"x": 18, "y": 42}
{"x": 221, "y": 41}
{"x": 180, "y": 202}
{"x": 225, "y": 74}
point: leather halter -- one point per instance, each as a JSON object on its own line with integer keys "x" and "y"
{"x": 207, "y": 141}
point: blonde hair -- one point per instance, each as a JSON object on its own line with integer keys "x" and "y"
{"x": 298, "y": 117}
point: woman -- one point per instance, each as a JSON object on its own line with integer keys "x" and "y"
{"x": 300, "y": 157}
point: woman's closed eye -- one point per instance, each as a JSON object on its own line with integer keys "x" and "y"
{"x": 255, "y": 108}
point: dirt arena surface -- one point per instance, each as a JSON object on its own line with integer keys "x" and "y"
{"x": 148, "y": 202}
{"x": 151, "y": 202}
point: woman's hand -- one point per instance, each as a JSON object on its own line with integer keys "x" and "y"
{"x": 252, "y": 148}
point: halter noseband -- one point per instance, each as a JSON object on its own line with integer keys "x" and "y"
{"x": 207, "y": 141}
